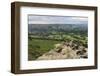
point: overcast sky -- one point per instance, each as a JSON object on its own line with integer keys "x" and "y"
{"x": 40, "y": 19}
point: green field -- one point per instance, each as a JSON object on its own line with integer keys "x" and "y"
{"x": 37, "y": 47}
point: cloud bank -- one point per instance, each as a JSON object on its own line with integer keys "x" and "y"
{"x": 43, "y": 19}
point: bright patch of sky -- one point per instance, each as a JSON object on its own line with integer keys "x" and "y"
{"x": 43, "y": 19}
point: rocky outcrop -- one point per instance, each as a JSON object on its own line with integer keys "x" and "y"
{"x": 65, "y": 51}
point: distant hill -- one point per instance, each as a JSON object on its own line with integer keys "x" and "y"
{"x": 57, "y": 27}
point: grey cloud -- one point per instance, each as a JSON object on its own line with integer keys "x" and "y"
{"x": 40, "y": 19}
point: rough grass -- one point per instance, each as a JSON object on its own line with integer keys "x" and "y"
{"x": 37, "y": 47}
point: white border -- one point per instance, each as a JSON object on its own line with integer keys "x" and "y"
{"x": 25, "y": 64}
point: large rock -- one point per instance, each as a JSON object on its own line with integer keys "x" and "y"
{"x": 65, "y": 50}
